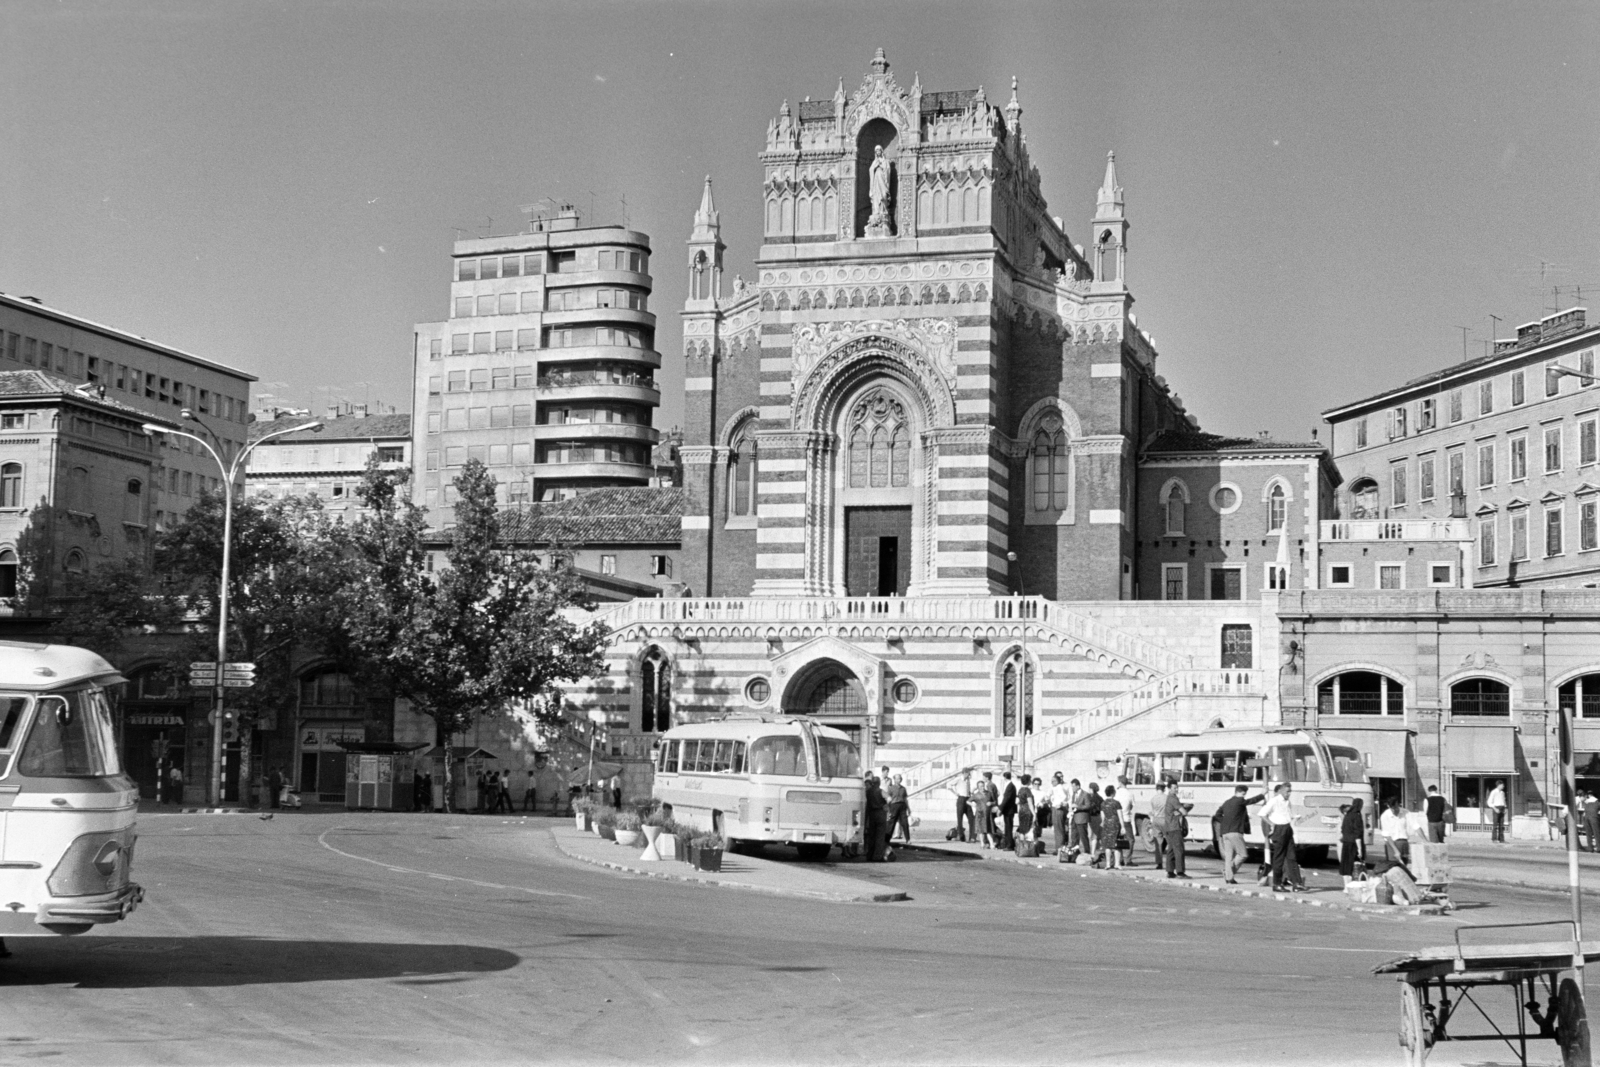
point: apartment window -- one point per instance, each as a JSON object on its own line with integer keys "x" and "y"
{"x": 1486, "y": 397}
{"x": 1361, "y": 433}
{"x": 489, "y": 268}
{"x": 1174, "y": 581}
{"x": 435, "y": 347}
{"x": 1586, "y": 442}
{"x": 502, "y": 340}
{"x": 30, "y": 354}
{"x": 1457, "y": 473}
{"x": 502, "y": 378}
{"x": 1340, "y": 574}
{"x": 479, "y": 379}
{"x": 1427, "y": 418}
{"x": 500, "y": 416}
{"x": 1519, "y": 458}
{"x": 1552, "y": 449}
{"x": 435, "y": 384}
{"x": 1425, "y": 478}
{"x": 1277, "y": 577}
{"x": 433, "y": 459}
{"x": 608, "y": 564}
{"x": 12, "y": 341}
{"x": 1518, "y": 388}
{"x": 1486, "y": 545}
{"x": 530, "y": 301}
{"x": 510, "y": 266}
{"x": 1586, "y": 527}
{"x": 467, "y": 270}
{"x": 524, "y": 376}
{"x": 459, "y": 343}
{"x": 13, "y": 422}
{"x": 478, "y": 419}
{"x": 499, "y": 455}
{"x": 1554, "y": 543}
{"x": 508, "y": 304}
{"x": 457, "y": 381}
{"x": 11, "y": 485}
{"x": 1441, "y": 574}
{"x": 1227, "y": 583}
{"x": 463, "y": 308}
{"x": 481, "y": 342}
{"x": 1485, "y": 464}
{"x": 527, "y": 339}
{"x": 1519, "y": 535}
{"x": 522, "y": 455}
{"x": 478, "y": 452}
{"x": 1391, "y": 576}
{"x": 1586, "y": 367}
{"x": 455, "y": 456}
{"x": 486, "y": 305}
{"x": 661, "y": 566}
{"x": 522, "y": 414}
{"x": 1397, "y": 479}
{"x": 533, "y": 263}
{"x": 1552, "y": 379}
{"x": 433, "y": 422}
{"x": 1397, "y": 423}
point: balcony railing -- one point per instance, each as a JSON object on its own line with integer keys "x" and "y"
{"x": 581, "y": 378}
{"x": 1396, "y": 530}
{"x": 1480, "y": 704}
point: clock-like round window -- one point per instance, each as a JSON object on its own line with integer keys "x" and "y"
{"x": 758, "y": 691}
{"x": 905, "y": 691}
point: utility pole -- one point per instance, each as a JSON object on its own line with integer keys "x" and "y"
{"x": 1494, "y": 327}
{"x": 1464, "y": 331}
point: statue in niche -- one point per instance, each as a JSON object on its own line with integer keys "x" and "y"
{"x": 878, "y": 194}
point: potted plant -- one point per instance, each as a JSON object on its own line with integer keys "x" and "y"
{"x": 625, "y": 828}
{"x": 605, "y": 823}
{"x": 583, "y": 813}
{"x": 682, "y": 834}
{"x": 705, "y": 852}
{"x": 655, "y": 825}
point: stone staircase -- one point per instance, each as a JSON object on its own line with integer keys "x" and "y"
{"x": 1124, "y": 720}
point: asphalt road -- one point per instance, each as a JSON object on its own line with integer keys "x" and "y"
{"x": 315, "y": 939}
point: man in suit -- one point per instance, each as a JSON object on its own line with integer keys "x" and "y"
{"x": 1008, "y": 810}
{"x": 1166, "y": 818}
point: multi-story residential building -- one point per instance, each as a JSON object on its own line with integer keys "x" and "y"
{"x": 1504, "y": 449}
{"x": 153, "y": 378}
{"x": 327, "y": 462}
{"x": 545, "y": 369}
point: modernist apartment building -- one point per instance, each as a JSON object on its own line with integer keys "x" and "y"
{"x": 161, "y": 381}
{"x": 545, "y": 369}
{"x": 1505, "y": 447}
{"x": 327, "y": 463}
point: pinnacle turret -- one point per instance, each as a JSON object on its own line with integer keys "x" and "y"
{"x": 1110, "y": 203}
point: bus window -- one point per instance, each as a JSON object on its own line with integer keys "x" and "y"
{"x": 1348, "y": 766}
{"x": 669, "y": 757}
{"x": 1171, "y": 766}
{"x": 722, "y": 758}
{"x": 738, "y": 758}
{"x": 70, "y": 738}
{"x": 1224, "y": 766}
{"x": 687, "y": 760}
{"x": 1144, "y": 772}
{"x": 839, "y": 758}
{"x": 1194, "y": 766}
{"x": 1296, "y": 763}
{"x": 11, "y": 711}
{"x": 778, "y": 755}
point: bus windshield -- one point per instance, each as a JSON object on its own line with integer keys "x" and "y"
{"x": 1348, "y": 766}
{"x": 1296, "y": 763}
{"x": 839, "y": 758}
{"x": 12, "y": 708}
{"x": 778, "y": 755}
{"x": 71, "y": 737}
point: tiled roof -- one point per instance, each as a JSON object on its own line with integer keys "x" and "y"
{"x": 1196, "y": 441}
{"x": 20, "y": 383}
{"x": 633, "y": 514}
{"x": 344, "y": 428}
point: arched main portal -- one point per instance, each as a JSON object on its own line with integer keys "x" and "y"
{"x": 829, "y": 692}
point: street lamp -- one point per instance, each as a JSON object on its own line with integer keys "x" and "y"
{"x": 229, "y": 472}
{"x": 1023, "y": 718}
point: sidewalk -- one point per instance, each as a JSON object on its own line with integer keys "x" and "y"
{"x": 1323, "y": 894}
{"x": 738, "y": 872}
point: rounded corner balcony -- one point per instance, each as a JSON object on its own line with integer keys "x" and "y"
{"x": 590, "y": 432}
{"x": 637, "y": 279}
{"x": 590, "y": 384}
{"x": 596, "y": 471}
{"x": 600, "y": 354}
{"x": 602, "y": 316}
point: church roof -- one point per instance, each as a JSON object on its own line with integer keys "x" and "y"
{"x": 1198, "y": 441}
{"x": 621, "y": 515}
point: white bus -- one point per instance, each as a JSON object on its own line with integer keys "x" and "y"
{"x": 66, "y": 809}
{"x": 764, "y": 778}
{"x": 1326, "y": 774}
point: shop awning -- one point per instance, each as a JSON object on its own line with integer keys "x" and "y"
{"x": 1383, "y": 750}
{"x": 1479, "y": 748}
{"x": 582, "y": 775}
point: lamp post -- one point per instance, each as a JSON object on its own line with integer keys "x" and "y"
{"x": 1022, "y": 670}
{"x": 229, "y": 472}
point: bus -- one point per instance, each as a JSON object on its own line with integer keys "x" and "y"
{"x": 1326, "y": 774}
{"x": 756, "y": 779}
{"x": 66, "y": 809}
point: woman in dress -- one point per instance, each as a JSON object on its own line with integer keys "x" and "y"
{"x": 1111, "y": 828}
{"x": 1041, "y": 814}
{"x": 1352, "y": 841}
{"x": 1024, "y": 807}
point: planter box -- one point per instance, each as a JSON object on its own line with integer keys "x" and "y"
{"x": 630, "y": 838}
{"x": 607, "y": 832}
{"x": 667, "y": 846}
{"x": 706, "y": 859}
{"x": 585, "y": 823}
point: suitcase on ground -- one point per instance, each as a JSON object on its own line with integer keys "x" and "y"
{"x": 1028, "y": 848}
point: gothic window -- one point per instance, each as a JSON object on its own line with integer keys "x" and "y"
{"x": 872, "y": 298}
{"x": 1050, "y": 471}
{"x": 655, "y": 691}
{"x": 783, "y": 301}
{"x": 964, "y": 294}
{"x": 905, "y": 296}
{"x": 969, "y": 205}
{"x": 1277, "y": 509}
{"x": 1017, "y": 697}
{"x": 943, "y": 296}
{"x": 880, "y": 443}
{"x": 927, "y": 294}
{"x": 742, "y": 484}
{"x": 804, "y": 302}
{"x": 1174, "y": 504}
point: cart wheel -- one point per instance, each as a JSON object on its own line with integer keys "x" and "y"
{"x": 1572, "y": 1025}
{"x": 1414, "y": 1037}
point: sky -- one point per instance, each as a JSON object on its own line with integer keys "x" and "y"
{"x": 1320, "y": 194}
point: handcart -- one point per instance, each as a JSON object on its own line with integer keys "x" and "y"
{"x": 1437, "y": 983}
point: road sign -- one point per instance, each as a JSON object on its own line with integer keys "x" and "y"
{"x": 203, "y": 665}
{"x": 238, "y": 666}
{"x": 229, "y": 672}
{"x": 238, "y": 683}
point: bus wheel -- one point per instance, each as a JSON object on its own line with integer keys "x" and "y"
{"x": 1145, "y": 833}
{"x": 1312, "y": 855}
{"x": 813, "y": 853}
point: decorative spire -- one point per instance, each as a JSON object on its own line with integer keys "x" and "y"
{"x": 1110, "y": 202}
{"x": 784, "y": 110}
{"x": 707, "y": 222}
{"x": 980, "y": 99}
{"x": 880, "y": 63}
{"x": 838, "y": 94}
{"x": 916, "y": 83}
{"x": 1014, "y": 108}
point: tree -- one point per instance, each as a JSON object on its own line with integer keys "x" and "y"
{"x": 485, "y": 630}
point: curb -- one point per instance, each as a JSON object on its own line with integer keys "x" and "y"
{"x": 885, "y": 897}
{"x": 1237, "y": 891}
{"x": 212, "y": 811}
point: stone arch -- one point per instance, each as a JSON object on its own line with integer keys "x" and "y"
{"x": 819, "y": 396}
{"x": 1029, "y": 423}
